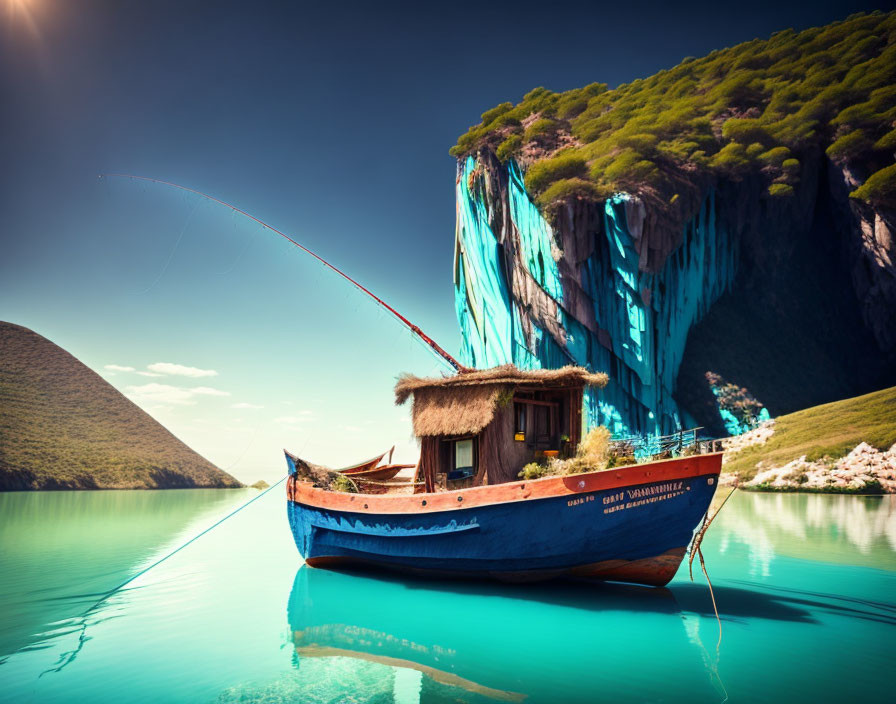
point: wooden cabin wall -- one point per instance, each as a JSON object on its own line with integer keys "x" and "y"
{"x": 575, "y": 419}
{"x": 500, "y": 457}
{"x": 429, "y": 461}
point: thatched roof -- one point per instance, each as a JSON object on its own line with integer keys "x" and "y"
{"x": 466, "y": 402}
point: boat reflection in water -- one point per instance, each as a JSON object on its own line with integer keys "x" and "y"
{"x": 474, "y": 641}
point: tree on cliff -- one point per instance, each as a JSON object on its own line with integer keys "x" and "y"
{"x": 764, "y": 105}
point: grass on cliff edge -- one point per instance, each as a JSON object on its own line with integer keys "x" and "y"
{"x": 832, "y": 429}
{"x": 765, "y": 106}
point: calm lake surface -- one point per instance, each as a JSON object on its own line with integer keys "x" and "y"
{"x": 805, "y": 584}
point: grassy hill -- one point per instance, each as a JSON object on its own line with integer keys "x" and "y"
{"x": 62, "y": 426}
{"x": 762, "y": 106}
{"x": 832, "y": 429}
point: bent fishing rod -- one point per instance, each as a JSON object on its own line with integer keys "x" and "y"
{"x": 432, "y": 344}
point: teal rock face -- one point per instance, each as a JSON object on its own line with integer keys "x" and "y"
{"x": 603, "y": 313}
{"x": 603, "y": 286}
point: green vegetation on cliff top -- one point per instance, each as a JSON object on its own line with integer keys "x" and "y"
{"x": 762, "y": 106}
{"x": 62, "y": 426}
{"x": 832, "y": 430}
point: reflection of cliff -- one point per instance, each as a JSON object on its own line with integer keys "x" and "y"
{"x": 849, "y": 529}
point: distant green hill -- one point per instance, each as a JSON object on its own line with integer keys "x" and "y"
{"x": 832, "y": 429}
{"x": 62, "y": 426}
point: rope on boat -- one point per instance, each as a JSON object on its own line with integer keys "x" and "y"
{"x": 698, "y": 538}
{"x": 695, "y": 548}
{"x": 66, "y": 658}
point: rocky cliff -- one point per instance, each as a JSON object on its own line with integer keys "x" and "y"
{"x": 727, "y": 224}
{"x": 62, "y": 426}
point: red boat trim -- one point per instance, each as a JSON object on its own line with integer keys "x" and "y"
{"x": 568, "y": 485}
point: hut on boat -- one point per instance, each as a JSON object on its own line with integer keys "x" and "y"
{"x": 483, "y": 426}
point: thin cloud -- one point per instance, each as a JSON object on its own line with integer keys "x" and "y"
{"x": 118, "y": 368}
{"x": 149, "y": 374}
{"x": 243, "y": 404}
{"x": 180, "y": 370}
{"x": 155, "y": 393}
{"x": 160, "y": 394}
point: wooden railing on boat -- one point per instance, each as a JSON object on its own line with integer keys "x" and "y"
{"x": 674, "y": 444}
{"x": 378, "y": 486}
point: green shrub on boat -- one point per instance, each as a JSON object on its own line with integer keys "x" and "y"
{"x": 343, "y": 483}
{"x": 535, "y": 470}
{"x": 592, "y": 455}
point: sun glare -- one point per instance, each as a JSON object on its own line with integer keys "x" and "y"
{"x": 24, "y": 12}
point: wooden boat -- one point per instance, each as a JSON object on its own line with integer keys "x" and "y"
{"x": 383, "y": 473}
{"x": 368, "y": 470}
{"x": 475, "y": 518}
{"x": 366, "y": 465}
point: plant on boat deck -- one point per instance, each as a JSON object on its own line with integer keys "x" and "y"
{"x": 343, "y": 483}
{"x": 619, "y": 458}
{"x": 593, "y": 452}
{"x": 533, "y": 470}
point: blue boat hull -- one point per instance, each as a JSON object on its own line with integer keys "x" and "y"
{"x": 635, "y": 533}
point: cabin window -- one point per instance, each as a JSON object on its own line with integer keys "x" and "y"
{"x": 463, "y": 460}
{"x": 463, "y": 455}
{"x": 519, "y": 421}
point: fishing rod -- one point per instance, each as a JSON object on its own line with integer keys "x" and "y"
{"x": 432, "y": 344}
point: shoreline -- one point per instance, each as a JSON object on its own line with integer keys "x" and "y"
{"x": 729, "y": 481}
{"x": 863, "y": 471}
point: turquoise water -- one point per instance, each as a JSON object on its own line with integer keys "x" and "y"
{"x": 806, "y": 587}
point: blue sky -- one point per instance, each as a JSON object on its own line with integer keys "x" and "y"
{"x": 331, "y": 123}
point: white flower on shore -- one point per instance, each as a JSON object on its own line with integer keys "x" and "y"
{"x": 864, "y": 465}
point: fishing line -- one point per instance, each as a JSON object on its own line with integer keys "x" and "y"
{"x": 243, "y": 454}
{"x": 173, "y": 250}
{"x": 192, "y": 540}
{"x": 68, "y": 657}
{"x": 250, "y": 241}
